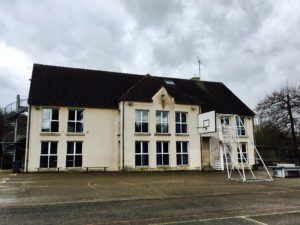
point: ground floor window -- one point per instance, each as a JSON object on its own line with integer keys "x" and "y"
{"x": 162, "y": 153}
{"x": 242, "y": 156}
{"x": 74, "y": 154}
{"x": 141, "y": 153}
{"x": 48, "y": 157}
{"x": 182, "y": 153}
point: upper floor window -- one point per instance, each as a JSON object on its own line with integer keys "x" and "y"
{"x": 162, "y": 122}
{"x": 50, "y": 120}
{"x": 225, "y": 120}
{"x": 181, "y": 122}
{"x": 75, "y": 120}
{"x": 240, "y": 126}
{"x": 141, "y": 121}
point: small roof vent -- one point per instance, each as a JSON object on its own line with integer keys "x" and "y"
{"x": 169, "y": 82}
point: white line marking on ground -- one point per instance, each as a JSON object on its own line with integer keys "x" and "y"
{"x": 3, "y": 180}
{"x": 13, "y": 174}
{"x": 252, "y": 220}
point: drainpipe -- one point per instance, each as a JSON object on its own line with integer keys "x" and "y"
{"x": 28, "y": 138}
{"x": 123, "y": 138}
{"x": 201, "y": 143}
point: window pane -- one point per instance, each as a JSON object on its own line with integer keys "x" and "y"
{"x": 178, "y": 147}
{"x": 79, "y": 127}
{"x": 166, "y": 147}
{"x": 53, "y": 162}
{"x": 70, "y": 147}
{"x": 145, "y": 160}
{"x": 184, "y": 128}
{"x": 70, "y": 161}
{"x": 79, "y": 115}
{"x": 54, "y": 114}
{"x": 44, "y": 148}
{"x": 158, "y": 147}
{"x": 46, "y": 125}
{"x": 158, "y": 128}
{"x": 183, "y": 117}
{"x": 178, "y": 130}
{"x": 166, "y": 160}
{"x": 71, "y": 114}
{"x": 185, "y": 160}
{"x": 145, "y": 127}
{"x": 138, "y": 160}
{"x": 78, "y": 147}
{"x": 158, "y": 116}
{"x": 71, "y": 126}
{"x": 78, "y": 160}
{"x": 137, "y": 147}
{"x": 137, "y": 115}
{"x": 177, "y": 117}
{"x": 46, "y": 114}
{"x": 165, "y": 128}
{"x": 138, "y": 127}
{"x": 164, "y": 116}
{"x": 178, "y": 157}
{"x": 145, "y": 147}
{"x": 184, "y": 147}
{"x": 44, "y": 162}
{"x": 54, "y": 126}
{"x": 159, "y": 159}
{"x": 53, "y": 149}
{"x": 145, "y": 116}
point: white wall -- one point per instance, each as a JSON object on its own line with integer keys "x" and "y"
{"x": 100, "y": 142}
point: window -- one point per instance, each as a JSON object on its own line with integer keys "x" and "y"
{"x": 50, "y": 120}
{"x": 48, "y": 157}
{"x": 242, "y": 156}
{"x": 162, "y": 153}
{"x": 141, "y": 153}
{"x": 225, "y": 120}
{"x": 240, "y": 121}
{"x": 74, "y": 154}
{"x": 75, "y": 121}
{"x": 162, "y": 122}
{"x": 181, "y": 122}
{"x": 169, "y": 82}
{"x": 182, "y": 153}
{"x": 141, "y": 121}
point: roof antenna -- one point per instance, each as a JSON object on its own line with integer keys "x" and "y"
{"x": 199, "y": 63}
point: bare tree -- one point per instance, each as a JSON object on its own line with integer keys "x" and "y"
{"x": 282, "y": 108}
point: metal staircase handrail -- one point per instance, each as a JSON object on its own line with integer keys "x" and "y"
{"x": 12, "y": 107}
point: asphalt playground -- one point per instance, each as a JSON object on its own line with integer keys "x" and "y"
{"x": 97, "y": 198}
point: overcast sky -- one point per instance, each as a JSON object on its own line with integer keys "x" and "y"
{"x": 251, "y": 46}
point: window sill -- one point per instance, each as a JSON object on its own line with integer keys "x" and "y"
{"x": 142, "y": 134}
{"x": 182, "y": 134}
{"x": 162, "y": 134}
{"x": 75, "y": 134}
{"x": 50, "y": 134}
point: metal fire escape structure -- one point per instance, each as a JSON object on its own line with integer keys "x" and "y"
{"x": 239, "y": 167}
{"x": 13, "y": 142}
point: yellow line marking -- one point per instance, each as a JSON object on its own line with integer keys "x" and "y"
{"x": 13, "y": 174}
{"x": 91, "y": 185}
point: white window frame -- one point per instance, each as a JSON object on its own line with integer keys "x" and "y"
{"x": 162, "y": 153}
{"x": 142, "y": 153}
{"x": 141, "y": 121}
{"x": 74, "y": 154}
{"x": 161, "y": 122}
{"x": 244, "y": 151}
{"x": 240, "y": 126}
{"x": 181, "y": 153}
{"x": 49, "y": 154}
{"x": 224, "y": 122}
{"x": 75, "y": 121}
{"x": 47, "y": 120}
{"x": 180, "y": 123}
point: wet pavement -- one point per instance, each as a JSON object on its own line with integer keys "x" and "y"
{"x": 145, "y": 198}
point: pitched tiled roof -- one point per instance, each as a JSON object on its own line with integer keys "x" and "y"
{"x": 62, "y": 86}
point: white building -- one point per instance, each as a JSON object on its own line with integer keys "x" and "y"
{"x": 82, "y": 119}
